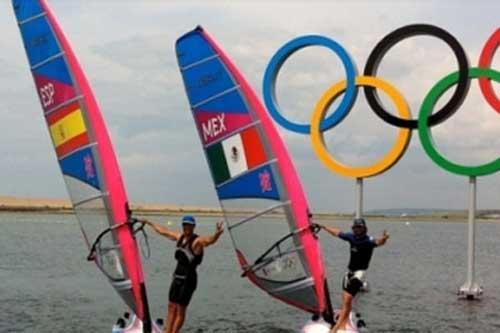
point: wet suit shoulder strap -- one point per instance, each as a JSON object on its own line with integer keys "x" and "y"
{"x": 179, "y": 242}
{"x": 189, "y": 242}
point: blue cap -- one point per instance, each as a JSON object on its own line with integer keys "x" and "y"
{"x": 189, "y": 219}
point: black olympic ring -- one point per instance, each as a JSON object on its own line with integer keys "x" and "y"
{"x": 397, "y": 36}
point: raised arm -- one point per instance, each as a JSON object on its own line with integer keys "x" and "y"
{"x": 383, "y": 239}
{"x": 205, "y": 241}
{"x": 172, "y": 235}
{"x": 331, "y": 230}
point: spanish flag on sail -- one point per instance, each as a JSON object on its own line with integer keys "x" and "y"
{"x": 235, "y": 155}
{"x": 67, "y": 129}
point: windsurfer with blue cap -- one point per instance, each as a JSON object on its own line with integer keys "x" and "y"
{"x": 189, "y": 255}
{"x": 362, "y": 246}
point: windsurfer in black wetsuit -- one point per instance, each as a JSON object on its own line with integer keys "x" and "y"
{"x": 189, "y": 254}
{"x": 362, "y": 247}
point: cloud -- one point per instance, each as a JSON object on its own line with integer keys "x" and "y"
{"x": 127, "y": 53}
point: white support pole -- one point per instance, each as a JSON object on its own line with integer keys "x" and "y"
{"x": 359, "y": 198}
{"x": 471, "y": 290}
{"x": 359, "y": 214}
{"x": 472, "y": 231}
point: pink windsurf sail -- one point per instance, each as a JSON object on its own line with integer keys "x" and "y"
{"x": 84, "y": 153}
{"x": 258, "y": 188}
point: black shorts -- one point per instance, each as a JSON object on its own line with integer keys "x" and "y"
{"x": 352, "y": 285}
{"x": 181, "y": 290}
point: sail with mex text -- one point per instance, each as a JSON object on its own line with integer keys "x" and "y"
{"x": 253, "y": 174}
{"x": 84, "y": 153}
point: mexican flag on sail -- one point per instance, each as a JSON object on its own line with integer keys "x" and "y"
{"x": 235, "y": 155}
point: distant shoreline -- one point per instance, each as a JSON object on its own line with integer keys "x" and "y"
{"x": 60, "y": 206}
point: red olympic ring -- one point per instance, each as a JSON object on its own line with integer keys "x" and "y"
{"x": 485, "y": 61}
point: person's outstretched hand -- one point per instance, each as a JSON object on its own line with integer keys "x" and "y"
{"x": 219, "y": 227}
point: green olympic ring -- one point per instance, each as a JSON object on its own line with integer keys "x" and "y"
{"x": 424, "y": 130}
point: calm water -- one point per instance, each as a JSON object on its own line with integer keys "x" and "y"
{"x": 48, "y": 286}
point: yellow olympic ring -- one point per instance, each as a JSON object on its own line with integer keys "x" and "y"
{"x": 317, "y": 139}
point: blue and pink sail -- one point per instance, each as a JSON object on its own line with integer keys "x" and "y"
{"x": 84, "y": 152}
{"x": 258, "y": 188}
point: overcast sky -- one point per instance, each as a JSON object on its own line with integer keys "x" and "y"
{"x": 127, "y": 51}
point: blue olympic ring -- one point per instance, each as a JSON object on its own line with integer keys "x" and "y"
{"x": 269, "y": 87}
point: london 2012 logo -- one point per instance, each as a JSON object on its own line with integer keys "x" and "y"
{"x": 371, "y": 83}
{"x": 89, "y": 166}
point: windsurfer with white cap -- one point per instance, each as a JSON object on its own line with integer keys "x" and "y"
{"x": 362, "y": 246}
{"x": 189, "y": 254}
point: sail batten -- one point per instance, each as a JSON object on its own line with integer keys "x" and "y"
{"x": 67, "y": 102}
{"x": 29, "y": 19}
{"x": 99, "y": 196}
{"x": 84, "y": 147}
{"x": 222, "y": 138}
{"x": 252, "y": 173}
{"x": 260, "y": 213}
{"x": 46, "y": 61}
{"x": 199, "y": 62}
{"x": 242, "y": 174}
{"x": 215, "y": 96}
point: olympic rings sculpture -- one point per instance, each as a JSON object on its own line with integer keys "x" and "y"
{"x": 371, "y": 83}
